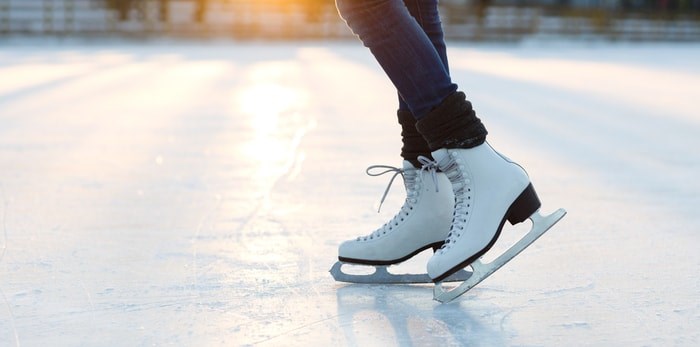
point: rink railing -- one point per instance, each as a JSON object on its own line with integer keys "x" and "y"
{"x": 274, "y": 19}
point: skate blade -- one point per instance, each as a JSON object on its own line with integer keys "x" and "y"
{"x": 540, "y": 224}
{"x": 382, "y": 275}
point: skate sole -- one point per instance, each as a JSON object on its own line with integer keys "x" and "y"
{"x": 435, "y": 246}
{"x": 481, "y": 271}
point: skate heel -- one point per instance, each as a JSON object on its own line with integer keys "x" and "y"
{"x": 524, "y": 206}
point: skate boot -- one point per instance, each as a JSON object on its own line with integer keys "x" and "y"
{"x": 489, "y": 189}
{"x": 422, "y": 223}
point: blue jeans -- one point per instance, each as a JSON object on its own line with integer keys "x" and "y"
{"x": 406, "y": 38}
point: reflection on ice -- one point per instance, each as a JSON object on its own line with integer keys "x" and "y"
{"x": 397, "y": 314}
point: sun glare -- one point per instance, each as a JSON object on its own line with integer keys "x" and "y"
{"x": 272, "y": 102}
{"x": 265, "y": 102}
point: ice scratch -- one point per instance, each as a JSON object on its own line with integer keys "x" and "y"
{"x": 206, "y": 217}
{"x": 2, "y": 256}
{"x": 12, "y": 317}
{"x": 296, "y": 329}
{"x": 4, "y": 223}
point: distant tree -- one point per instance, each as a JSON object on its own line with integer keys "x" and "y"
{"x": 316, "y": 9}
{"x": 124, "y": 7}
{"x": 200, "y": 10}
{"x": 163, "y": 10}
{"x": 121, "y": 6}
{"x": 480, "y": 7}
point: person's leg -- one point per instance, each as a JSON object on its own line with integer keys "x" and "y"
{"x": 413, "y": 143}
{"x": 425, "y": 12}
{"x": 424, "y": 219}
{"x": 403, "y": 49}
{"x": 411, "y": 60}
{"x": 488, "y": 188}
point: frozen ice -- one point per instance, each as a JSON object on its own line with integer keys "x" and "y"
{"x": 174, "y": 193}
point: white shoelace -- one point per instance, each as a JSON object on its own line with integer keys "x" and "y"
{"x": 410, "y": 178}
{"x": 462, "y": 191}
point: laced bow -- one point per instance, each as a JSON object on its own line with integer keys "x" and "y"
{"x": 427, "y": 165}
{"x": 412, "y": 193}
{"x": 397, "y": 171}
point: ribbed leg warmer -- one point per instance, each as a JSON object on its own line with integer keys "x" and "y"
{"x": 414, "y": 144}
{"x": 452, "y": 124}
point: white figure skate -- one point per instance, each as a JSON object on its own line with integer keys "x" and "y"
{"x": 422, "y": 223}
{"x": 489, "y": 189}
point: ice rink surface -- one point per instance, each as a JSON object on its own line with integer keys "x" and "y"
{"x": 164, "y": 193}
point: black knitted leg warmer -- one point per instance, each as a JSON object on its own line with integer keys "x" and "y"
{"x": 414, "y": 144}
{"x": 453, "y": 124}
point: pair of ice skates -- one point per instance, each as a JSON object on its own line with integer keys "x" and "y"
{"x": 459, "y": 212}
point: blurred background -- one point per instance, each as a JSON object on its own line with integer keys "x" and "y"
{"x": 501, "y": 20}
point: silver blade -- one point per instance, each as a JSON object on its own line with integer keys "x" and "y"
{"x": 540, "y": 225}
{"x": 382, "y": 275}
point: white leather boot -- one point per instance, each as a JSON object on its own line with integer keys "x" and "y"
{"x": 489, "y": 189}
{"x": 423, "y": 221}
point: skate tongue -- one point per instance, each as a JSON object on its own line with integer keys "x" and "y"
{"x": 408, "y": 166}
{"x": 441, "y": 157}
